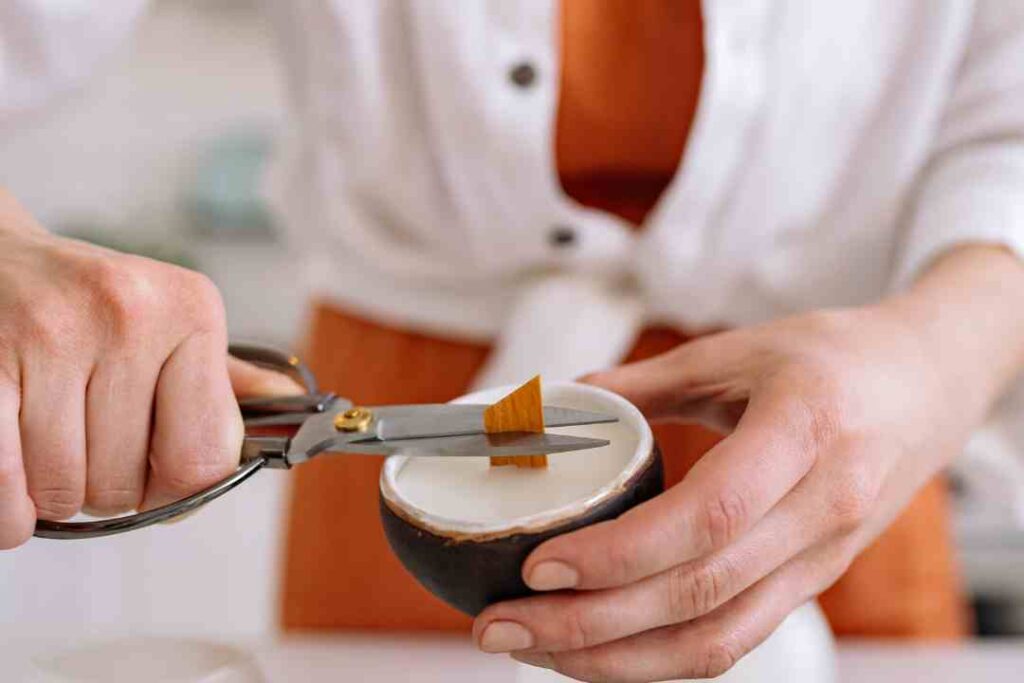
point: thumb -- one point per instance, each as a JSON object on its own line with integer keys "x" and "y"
{"x": 693, "y": 381}
{"x": 251, "y": 381}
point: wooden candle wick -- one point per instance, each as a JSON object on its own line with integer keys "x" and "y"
{"x": 520, "y": 411}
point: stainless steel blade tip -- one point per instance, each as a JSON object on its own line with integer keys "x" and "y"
{"x": 555, "y": 416}
{"x": 507, "y": 443}
{"x": 526, "y": 443}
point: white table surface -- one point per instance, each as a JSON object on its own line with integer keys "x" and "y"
{"x": 362, "y": 658}
{"x": 971, "y": 662}
{"x": 443, "y": 659}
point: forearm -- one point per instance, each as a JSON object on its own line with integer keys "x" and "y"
{"x": 968, "y": 308}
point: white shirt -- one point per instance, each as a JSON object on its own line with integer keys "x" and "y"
{"x": 837, "y": 148}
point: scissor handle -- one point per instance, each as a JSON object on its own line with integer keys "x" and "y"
{"x": 259, "y": 355}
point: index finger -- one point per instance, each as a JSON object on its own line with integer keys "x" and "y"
{"x": 732, "y": 487}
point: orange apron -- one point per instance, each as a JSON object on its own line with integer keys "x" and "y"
{"x": 629, "y": 88}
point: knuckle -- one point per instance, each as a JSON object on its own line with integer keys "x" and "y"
{"x": 96, "y": 273}
{"x": 203, "y": 298}
{"x": 824, "y": 425}
{"x": 815, "y": 406}
{"x": 578, "y": 631}
{"x": 717, "y": 656}
{"x": 100, "y": 274}
{"x": 56, "y": 503}
{"x": 694, "y": 591}
{"x": 126, "y": 294}
{"x": 724, "y": 516}
{"x": 853, "y": 499}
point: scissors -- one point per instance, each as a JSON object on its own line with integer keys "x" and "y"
{"x": 323, "y": 422}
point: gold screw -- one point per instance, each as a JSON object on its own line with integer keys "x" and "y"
{"x": 353, "y": 420}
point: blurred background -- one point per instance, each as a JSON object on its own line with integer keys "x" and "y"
{"x": 165, "y": 156}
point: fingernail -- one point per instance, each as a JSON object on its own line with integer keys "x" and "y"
{"x": 505, "y": 636}
{"x": 541, "y": 659}
{"x": 552, "y": 575}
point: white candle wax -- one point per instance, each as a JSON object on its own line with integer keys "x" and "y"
{"x": 471, "y": 490}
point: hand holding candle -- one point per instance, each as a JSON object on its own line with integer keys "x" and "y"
{"x": 835, "y": 419}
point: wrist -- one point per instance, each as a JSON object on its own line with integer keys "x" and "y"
{"x": 966, "y": 313}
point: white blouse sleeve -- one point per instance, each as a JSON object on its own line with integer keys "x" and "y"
{"x": 972, "y": 190}
{"x": 49, "y": 46}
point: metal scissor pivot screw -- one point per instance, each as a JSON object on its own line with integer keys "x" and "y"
{"x": 354, "y": 419}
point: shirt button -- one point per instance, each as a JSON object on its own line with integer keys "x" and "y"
{"x": 561, "y": 236}
{"x": 523, "y": 74}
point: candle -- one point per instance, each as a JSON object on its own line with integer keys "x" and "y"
{"x": 470, "y": 490}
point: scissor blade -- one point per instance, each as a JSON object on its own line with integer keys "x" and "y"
{"x": 452, "y": 419}
{"x": 479, "y": 445}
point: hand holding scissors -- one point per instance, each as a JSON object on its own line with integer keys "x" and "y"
{"x": 323, "y": 423}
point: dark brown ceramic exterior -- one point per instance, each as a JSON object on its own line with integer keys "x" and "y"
{"x": 471, "y": 574}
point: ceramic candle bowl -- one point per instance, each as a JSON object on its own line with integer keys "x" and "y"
{"x": 464, "y": 528}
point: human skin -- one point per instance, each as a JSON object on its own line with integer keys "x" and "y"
{"x": 116, "y": 390}
{"x": 834, "y": 420}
